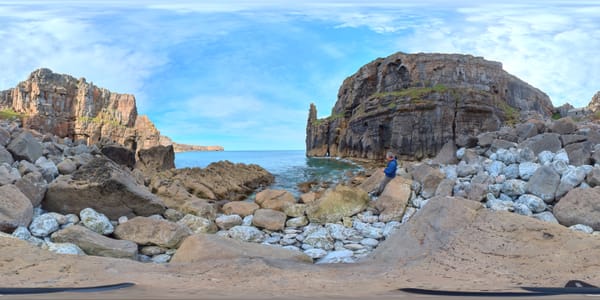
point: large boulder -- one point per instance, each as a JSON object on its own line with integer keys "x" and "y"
{"x": 241, "y": 208}
{"x": 392, "y": 202}
{"x": 466, "y": 238}
{"x": 25, "y": 147}
{"x": 579, "y": 206}
{"x": 93, "y": 243}
{"x": 342, "y": 201}
{"x": 564, "y": 126}
{"x": 5, "y": 156}
{"x": 156, "y": 159}
{"x": 34, "y": 186}
{"x": 120, "y": 154}
{"x": 274, "y": 199}
{"x": 579, "y": 153}
{"x": 106, "y": 188}
{"x": 151, "y": 231}
{"x": 202, "y": 247}
{"x": 543, "y": 142}
{"x": 429, "y": 178}
{"x": 222, "y": 180}
{"x": 269, "y": 219}
{"x": 543, "y": 183}
{"x": 15, "y": 208}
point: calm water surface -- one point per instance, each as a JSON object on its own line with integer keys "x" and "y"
{"x": 288, "y": 167}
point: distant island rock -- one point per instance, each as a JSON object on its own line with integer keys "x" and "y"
{"x": 65, "y": 106}
{"x": 413, "y": 104}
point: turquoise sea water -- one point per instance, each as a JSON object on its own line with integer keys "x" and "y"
{"x": 289, "y": 167}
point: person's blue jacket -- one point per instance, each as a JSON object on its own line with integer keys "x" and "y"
{"x": 390, "y": 170}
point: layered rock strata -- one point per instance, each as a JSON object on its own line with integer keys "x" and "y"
{"x": 413, "y": 104}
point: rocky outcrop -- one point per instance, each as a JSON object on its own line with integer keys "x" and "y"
{"x": 413, "y": 104}
{"x": 101, "y": 185}
{"x": 594, "y": 104}
{"x": 68, "y": 107}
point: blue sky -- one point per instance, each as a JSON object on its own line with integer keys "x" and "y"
{"x": 242, "y": 74}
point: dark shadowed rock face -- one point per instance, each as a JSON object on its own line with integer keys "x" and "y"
{"x": 414, "y": 103}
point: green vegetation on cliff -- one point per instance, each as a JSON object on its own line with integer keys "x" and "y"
{"x": 10, "y": 114}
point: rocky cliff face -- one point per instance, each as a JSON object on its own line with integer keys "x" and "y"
{"x": 69, "y": 107}
{"x": 414, "y": 103}
{"x": 594, "y": 104}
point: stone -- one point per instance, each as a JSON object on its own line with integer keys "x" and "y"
{"x": 319, "y": 238}
{"x": 295, "y": 210}
{"x": 148, "y": 231}
{"x": 560, "y": 166}
{"x": 34, "y": 186}
{"x": 579, "y": 153}
{"x": 308, "y": 198}
{"x": 526, "y": 130}
{"x": 155, "y": 159}
{"x": 522, "y": 209}
{"x": 198, "y": 224}
{"x": 393, "y": 200}
{"x": 544, "y": 183}
{"x": 368, "y": 230}
{"x": 43, "y": 225}
{"x": 546, "y": 216}
{"x": 527, "y": 169}
{"x": 269, "y": 219}
{"x": 22, "y": 233}
{"x": 593, "y": 178}
{"x": 545, "y": 157}
{"x": 25, "y": 147}
{"x": 526, "y": 155}
{"x": 93, "y": 243}
{"x": 447, "y": 155}
{"x": 572, "y": 138}
{"x": 8, "y": 174}
{"x": 465, "y": 170}
{"x": 534, "y": 203}
{"x": 247, "y": 220}
{"x": 4, "y": 136}
{"x": 106, "y": 188}
{"x": 200, "y": 207}
{"x": 336, "y": 257}
{"x": 119, "y": 154}
{"x": 579, "y": 206}
{"x": 297, "y": 222}
{"x": 498, "y": 144}
{"x": 173, "y": 215}
{"x": 563, "y": 126}
{"x": 122, "y": 219}
{"x": 476, "y": 191}
{"x": 511, "y": 171}
{"x": 240, "y": 208}
{"x": 514, "y": 187}
{"x": 64, "y": 248}
{"x": 582, "y": 228}
{"x": 569, "y": 180}
{"x": 274, "y": 199}
{"x": 226, "y": 222}
{"x": 495, "y": 168}
{"x": 152, "y": 250}
{"x": 15, "y": 208}
{"x": 428, "y": 177}
{"x": 161, "y": 258}
{"x": 202, "y": 247}
{"x": 499, "y": 205}
{"x": 315, "y": 253}
{"x": 47, "y": 168}
{"x": 5, "y": 156}
{"x": 445, "y": 187}
{"x": 369, "y": 242}
{"x": 66, "y": 167}
{"x": 336, "y": 203}
{"x": 246, "y": 234}
{"x": 96, "y": 221}
{"x": 543, "y": 142}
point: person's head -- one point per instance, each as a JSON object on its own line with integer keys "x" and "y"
{"x": 389, "y": 155}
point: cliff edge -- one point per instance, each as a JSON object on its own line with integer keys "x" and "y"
{"x": 413, "y": 104}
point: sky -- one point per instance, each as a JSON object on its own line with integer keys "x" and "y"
{"x": 242, "y": 74}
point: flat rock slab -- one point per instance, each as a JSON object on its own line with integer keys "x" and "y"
{"x": 93, "y": 243}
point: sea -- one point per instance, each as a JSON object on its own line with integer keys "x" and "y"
{"x": 290, "y": 167}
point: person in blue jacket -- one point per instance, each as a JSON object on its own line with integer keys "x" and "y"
{"x": 390, "y": 173}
